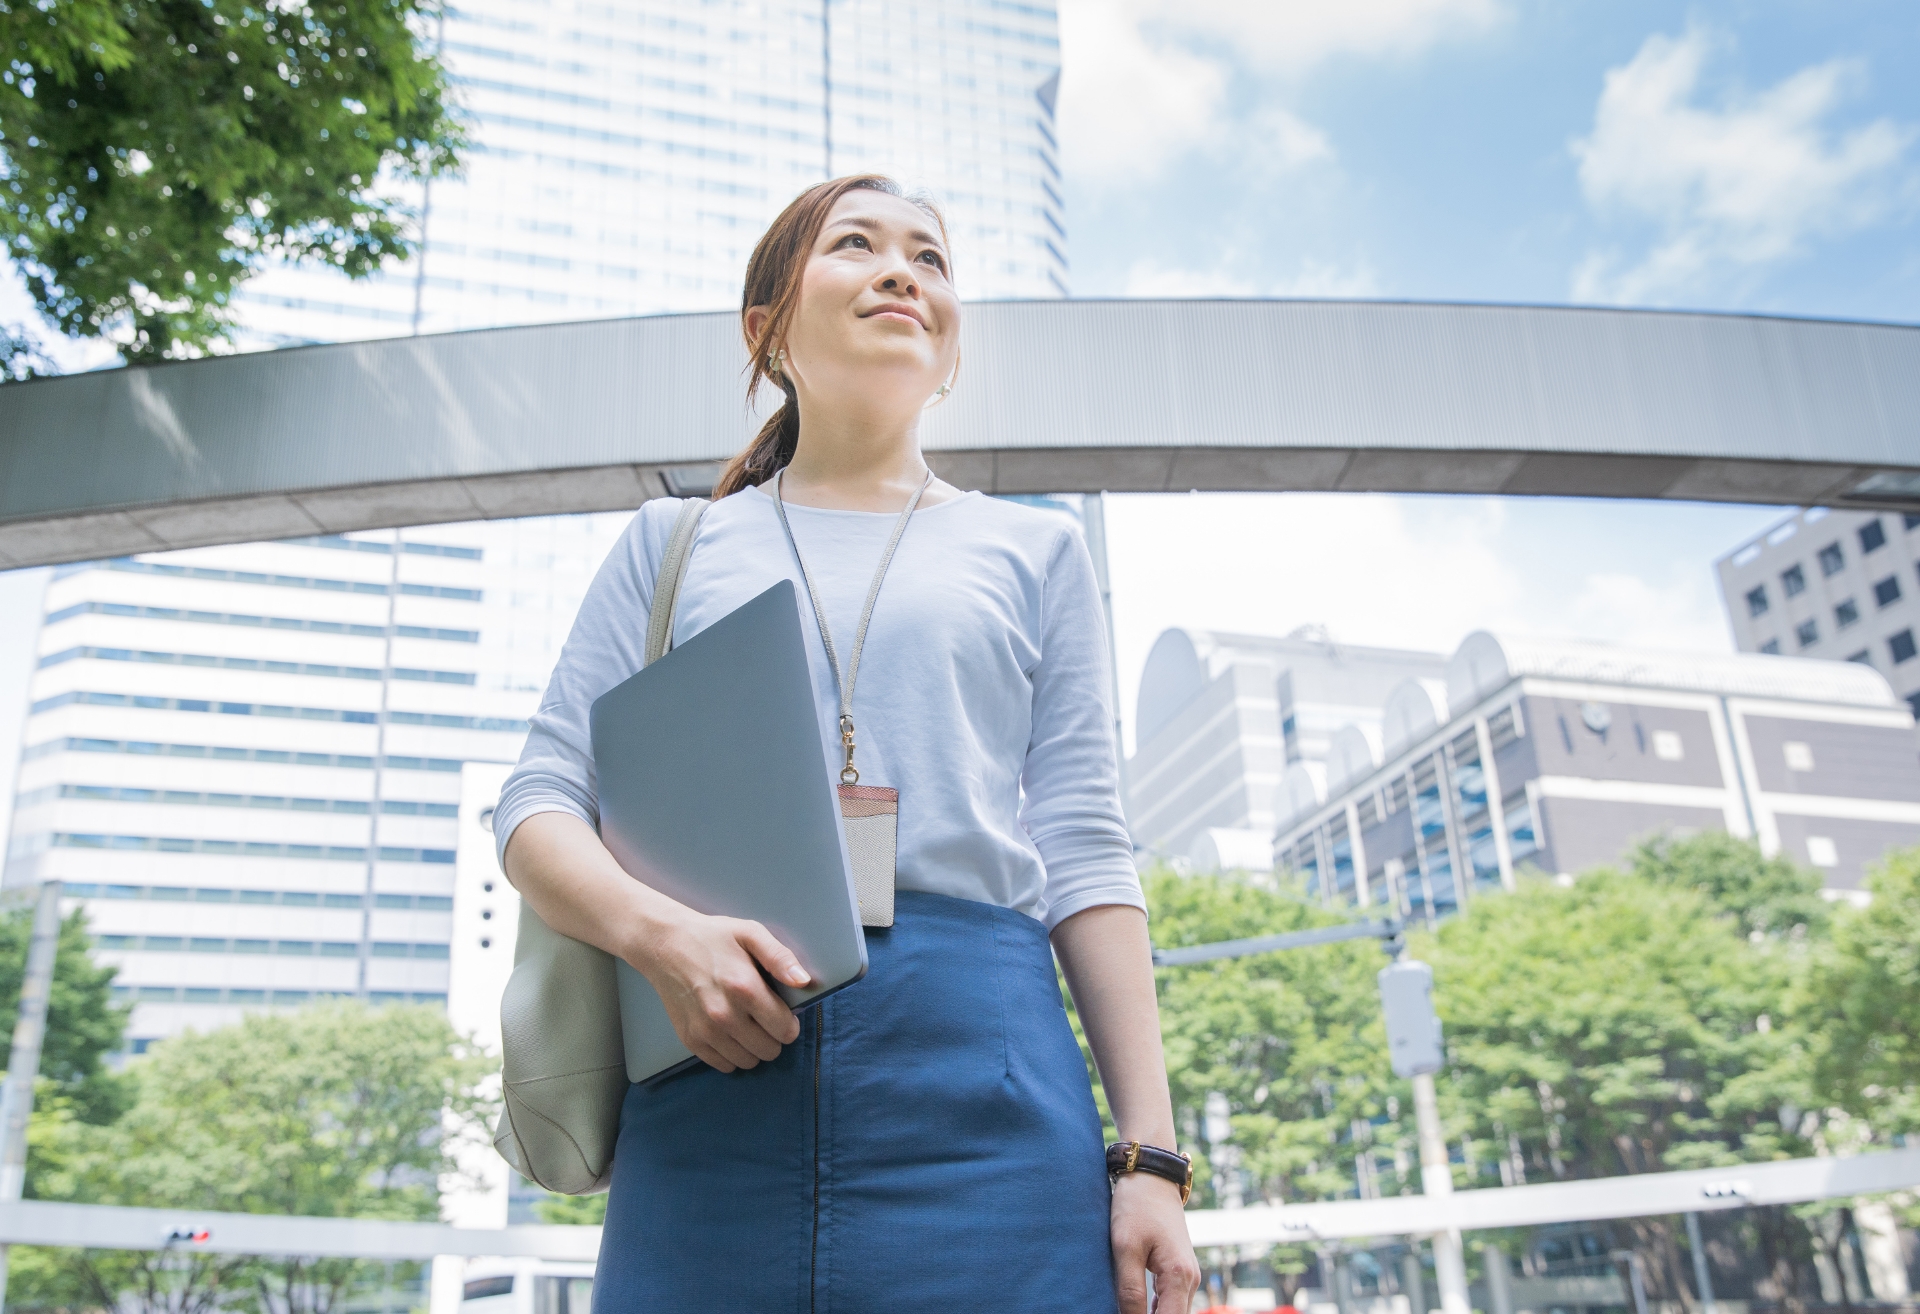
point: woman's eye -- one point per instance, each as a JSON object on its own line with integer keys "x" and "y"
{"x": 851, "y": 238}
{"x": 933, "y": 258}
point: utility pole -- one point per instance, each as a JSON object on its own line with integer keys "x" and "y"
{"x": 1702, "y": 1279}
{"x": 23, "y": 1064}
{"x": 1415, "y": 1048}
{"x": 1413, "y": 1042}
{"x": 1093, "y": 520}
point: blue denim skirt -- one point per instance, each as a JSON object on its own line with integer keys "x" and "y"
{"x": 929, "y": 1142}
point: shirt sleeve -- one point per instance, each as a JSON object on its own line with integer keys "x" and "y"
{"x": 607, "y": 644}
{"x": 1071, "y": 780}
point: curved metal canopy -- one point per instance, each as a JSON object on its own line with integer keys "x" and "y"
{"x": 1054, "y": 396}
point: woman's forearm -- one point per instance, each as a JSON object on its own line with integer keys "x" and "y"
{"x": 1108, "y": 962}
{"x": 558, "y": 864}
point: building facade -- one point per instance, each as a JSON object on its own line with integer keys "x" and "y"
{"x": 626, "y": 155}
{"x": 1222, "y": 717}
{"x": 246, "y": 762}
{"x": 1841, "y": 585}
{"x": 1560, "y": 756}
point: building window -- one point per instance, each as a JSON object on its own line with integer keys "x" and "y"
{"x": 1887, "y": 591}
{"x": 1793, "y": 581}
{"x": 1798, "y": 755}
{"x": 1864, "y": 657}
{"x": 1667, "y": 746}
{"x": 1367, "y": 813}
{"x": 1872, "y": 536}
{"x": 1503, "y": 727}
{"x": 1757, "y": 600}
{"x": 1807, "y": 632}
{"x": 1771, "y": 647}
{"x": 1846, "y": 614}
{"x": 1913, "y": 701}
{"x": 1832, "y": 560}
{"x": 1901, "y": 647}
{"x": 1913, "y": 520}
{"x": 1520, "y": 831}
{"x": 1821, "y": 851}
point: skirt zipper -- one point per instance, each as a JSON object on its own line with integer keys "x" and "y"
{"x": 813, "y": 1259}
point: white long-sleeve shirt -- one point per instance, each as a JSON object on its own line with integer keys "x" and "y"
{"x": 983, "y": 692}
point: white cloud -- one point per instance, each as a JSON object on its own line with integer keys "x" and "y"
{"x": 1315, "y": 278}
{"x": 1742, "y": 183}
{"x": 1145, "y": 81}
{"x": 1408, "y": 572}
{"x": 1293, "y": 35}
{"x": 1127, "y": 107}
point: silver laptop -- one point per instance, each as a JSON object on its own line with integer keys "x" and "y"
{"x": 714, "y": 790}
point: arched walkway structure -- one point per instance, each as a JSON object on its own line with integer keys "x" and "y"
{"x": 1053, "y": 396}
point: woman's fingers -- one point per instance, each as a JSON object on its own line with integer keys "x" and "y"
{"x": 1130, "y": 1283}
{"x": 774, "y": 956}
{"x": 1175, "y": 1278}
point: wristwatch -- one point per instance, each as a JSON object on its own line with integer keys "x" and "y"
{"x": 1133, "y": 1157}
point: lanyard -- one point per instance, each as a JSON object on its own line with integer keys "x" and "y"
{"x": 848, "y": 774}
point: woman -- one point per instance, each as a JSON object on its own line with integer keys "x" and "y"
{"x": 926, "y": 1138}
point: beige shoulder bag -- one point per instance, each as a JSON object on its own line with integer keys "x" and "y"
{"x": 563, "y": 1070}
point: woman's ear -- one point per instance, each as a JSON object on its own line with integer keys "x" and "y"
{"x": 754, "y": 321}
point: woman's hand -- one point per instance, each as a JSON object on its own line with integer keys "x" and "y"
{"x": 707, "y": 971}
{"x": 1150, "y": 1236}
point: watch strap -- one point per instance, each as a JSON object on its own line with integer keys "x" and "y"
{"x": 1134, "y": 1157}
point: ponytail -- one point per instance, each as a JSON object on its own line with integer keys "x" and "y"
{"x": 770, "y": 449}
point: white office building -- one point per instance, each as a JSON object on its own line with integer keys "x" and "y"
{"x": 247, "y": 762}
{"x": 1560, "y": 756}
{"x": 1222, "y": 718}
{"x": 1841, "y": 585}
{"x": 626, "y": 155}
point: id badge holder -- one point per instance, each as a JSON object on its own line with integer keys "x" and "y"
{"x": 871, "y": 815}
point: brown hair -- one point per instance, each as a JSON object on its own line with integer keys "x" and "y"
{"x": 773, "y": 280}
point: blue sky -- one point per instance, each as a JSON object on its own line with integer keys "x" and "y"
{"x": 1727, "y": 156}
{"x": 1730, "y": 157}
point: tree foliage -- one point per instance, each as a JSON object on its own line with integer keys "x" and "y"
{"x": 1701, "y": 1005}
{"x": 84, "y": 1025}
{"x": 337, "y": 1110}
{"x": 156, "y": 152}
{"x": 1862, "y": 1003}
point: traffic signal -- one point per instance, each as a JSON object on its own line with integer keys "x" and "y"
{"x": 1413, "y": 1030}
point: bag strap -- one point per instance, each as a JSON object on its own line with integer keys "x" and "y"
{"x": 666, "y": 585}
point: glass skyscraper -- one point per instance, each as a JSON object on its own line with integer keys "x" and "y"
{"x": 626, "y": 155}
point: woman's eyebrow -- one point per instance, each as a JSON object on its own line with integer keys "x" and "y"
{"x": 875, "y": 226}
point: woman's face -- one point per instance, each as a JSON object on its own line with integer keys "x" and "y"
{"x": 877, "y": 316}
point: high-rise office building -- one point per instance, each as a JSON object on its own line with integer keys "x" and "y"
{"x": 247, "y": 761}
{"x": 1222, "y": 717}
{"x": 626, "y": 155}
{"x": 1843, "y": 585}
{"x": 1561, "y": 755}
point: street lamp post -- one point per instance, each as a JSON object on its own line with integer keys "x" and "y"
{"x": 1413, "y": 1043}
{"x": 23, "y": 1062}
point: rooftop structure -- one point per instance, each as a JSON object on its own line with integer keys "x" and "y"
{"x": 1220, "y": 717}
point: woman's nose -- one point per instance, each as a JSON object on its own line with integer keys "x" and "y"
{"x": 895, "y": 283}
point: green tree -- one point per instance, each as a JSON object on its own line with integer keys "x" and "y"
{"x": 83, "y": 1022}
{"x": 158, "y": 152}
{"x": 1287, "y": 1048}
{"x": 578, "y": 1210}
{"x": 1629, "y": 1022}
{"x": 1861, "y": 1005}
{"x": 1768, "y": 897}
{"x": 336, "y": 1111}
